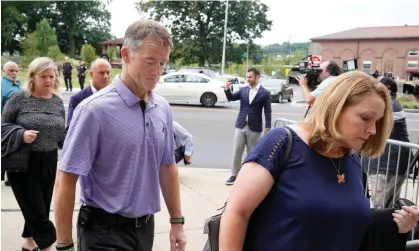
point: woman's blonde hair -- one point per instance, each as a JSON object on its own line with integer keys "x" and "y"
{"x": 347, "y": 90}
{"x": 37, "y": 66}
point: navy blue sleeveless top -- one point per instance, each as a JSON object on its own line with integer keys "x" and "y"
{"x": 306, "y": 209}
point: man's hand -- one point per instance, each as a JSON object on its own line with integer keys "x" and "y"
{"x": 302, "y": 80}
{"x": 187, "y": 160}
{"x": 267, "y": 130}
{"x": 228, "y": 84}
{"x": 177, "y": 238}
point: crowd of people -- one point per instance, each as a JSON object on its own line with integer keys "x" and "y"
{"x": 121, "y": 144}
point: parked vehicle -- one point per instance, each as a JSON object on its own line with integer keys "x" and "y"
{"x": 208, "y": 72}
{"x": 236, "y": 82}
{"x": 190, "y": 88}
{"x": 280, "y": 89}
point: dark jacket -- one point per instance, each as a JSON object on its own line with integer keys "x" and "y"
{"x": 75, "y": 101}
{"x": 252, "y": 113}
{"x": 67, "y": 68}
{"x": 399, "y": 133}
{"x": 14, "y": 152}
{"x": 383, "y": 234}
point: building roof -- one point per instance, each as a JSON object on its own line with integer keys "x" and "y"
{"x": 117, "y": 41}
{"x": 388, "y": 32}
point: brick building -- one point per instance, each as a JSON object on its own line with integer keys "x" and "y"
{"x": 385, "y": 49}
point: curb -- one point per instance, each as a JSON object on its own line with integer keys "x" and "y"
{"x": 299, "y": 103}
{"x": 411, "y": 110}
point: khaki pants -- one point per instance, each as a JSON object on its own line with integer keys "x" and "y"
{"x": 383, "y": 188}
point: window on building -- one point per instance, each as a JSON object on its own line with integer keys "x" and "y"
{"x": 412, "y": 64}
{"x": 367, "y": 66}
{"x": 413, "y": 53}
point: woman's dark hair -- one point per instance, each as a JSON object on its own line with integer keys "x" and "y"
{"x": 391, "y": 85}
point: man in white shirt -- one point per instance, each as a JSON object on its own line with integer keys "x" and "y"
{"x": 330, "y": 70}
{"x": 183, "y": 144}
{"x": 100, "y": 73}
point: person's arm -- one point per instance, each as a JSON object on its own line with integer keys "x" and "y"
{"x": 186, "y": 137}
{"x": 169, "y": 179}
{"x": 253, "y": 183}
{"x": 77, "y": 159}
{"x": 232, "y": 96}
{"x": 11, "y": 108}
{"x": 267, "y": 108}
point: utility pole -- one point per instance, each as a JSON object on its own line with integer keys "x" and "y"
{"x": 247, "y": 58}
{"x": 225, "y": 39}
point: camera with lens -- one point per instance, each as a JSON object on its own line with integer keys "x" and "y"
{"x": 310, "y": 67}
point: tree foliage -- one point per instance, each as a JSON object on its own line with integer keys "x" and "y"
{"x": 88, "y": 53}
{"x": 55, "y": 53}
{"x": 30, "y": 48}
{"x": 198, "y": 26}
{"x": 45, "y": 37}
{"x": 75, "y": 22}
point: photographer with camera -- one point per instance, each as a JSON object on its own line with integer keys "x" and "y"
{"x": 329, "y": 71}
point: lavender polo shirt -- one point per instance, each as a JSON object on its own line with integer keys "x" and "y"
{"x": 117, "y": 152}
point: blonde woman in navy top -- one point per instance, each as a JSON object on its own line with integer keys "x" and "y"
{"x": 314, "y": 200}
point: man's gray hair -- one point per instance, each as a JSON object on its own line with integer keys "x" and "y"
{"x": 9, "y": 63}
{"x": 98, "y": 61}
{"x": 142, "y": 29}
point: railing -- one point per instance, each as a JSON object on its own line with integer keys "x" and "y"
{"x": 390, "y": 176}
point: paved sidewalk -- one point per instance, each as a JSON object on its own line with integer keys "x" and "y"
{"x": 202, "y": 192}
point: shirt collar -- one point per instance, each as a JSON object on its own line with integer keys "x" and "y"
{"x": 18, "y": 83}
{"x": 128, "y": 96}
{"x": 93, "y": 88}
{"x": 256, "y": 88}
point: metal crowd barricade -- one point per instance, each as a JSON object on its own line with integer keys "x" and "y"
{"x": 385, "y": 183}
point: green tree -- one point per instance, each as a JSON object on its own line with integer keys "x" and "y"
{"x": 201, "y": 23}
{"x": 45, "y": 36}
{"x": 30, "y": 48}
{"x": 75, "y": 22}
{"x": 88, "y": 53}
{"x": 55, "y": 53}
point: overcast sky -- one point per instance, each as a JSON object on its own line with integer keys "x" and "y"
{"x": 304, "y": 19}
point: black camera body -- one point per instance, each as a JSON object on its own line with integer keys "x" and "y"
{"x": 310, "y": 67}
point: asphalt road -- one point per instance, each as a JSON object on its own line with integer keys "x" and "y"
{"x": 213, "y": 128}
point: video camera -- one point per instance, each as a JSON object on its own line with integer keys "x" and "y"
{"x": 310, "y": 67}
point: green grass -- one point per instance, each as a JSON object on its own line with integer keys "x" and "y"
{"x": 75, "y": 79}
{"x": 408, "y": 101}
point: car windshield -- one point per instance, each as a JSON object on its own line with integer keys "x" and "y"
{"x": 272, "y": 83}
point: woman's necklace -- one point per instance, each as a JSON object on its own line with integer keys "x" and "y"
{"x": 340, "y": 176}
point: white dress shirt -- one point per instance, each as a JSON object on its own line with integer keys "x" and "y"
{"x": 183, "y": 138}
{"x": 93, "y": 88}
{"x": 252, "y": 93}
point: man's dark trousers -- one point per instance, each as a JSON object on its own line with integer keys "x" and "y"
{"x": 100, "y": 230}
{"x": 81, "y": 81}
{"x": 67, "y": 80}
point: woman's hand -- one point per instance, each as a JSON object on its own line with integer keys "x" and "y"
{"x": 406, "y": 219}
{"x": 29, "y": 136}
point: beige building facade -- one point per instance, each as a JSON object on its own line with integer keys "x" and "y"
{"x": 382, "y": 49}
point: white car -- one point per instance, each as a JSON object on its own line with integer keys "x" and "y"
{"x": 190, "y": 87}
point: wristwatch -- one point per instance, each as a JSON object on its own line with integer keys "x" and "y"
{"x": 180, "y": 220}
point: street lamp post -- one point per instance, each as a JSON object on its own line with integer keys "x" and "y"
{"x": 225, "y": 39}
{"x": 247, "y": 57}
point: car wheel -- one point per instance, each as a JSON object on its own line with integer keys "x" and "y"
{"x": 280, "y": 98}
{"x": 208, "y": 99}
{"x": 290, "y": 98}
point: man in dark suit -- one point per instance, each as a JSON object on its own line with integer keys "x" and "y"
{"x": 100, "y": 73}
{"x": 249, "y": 127}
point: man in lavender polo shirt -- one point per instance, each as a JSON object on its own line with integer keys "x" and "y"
{"x": 120, "y": 144}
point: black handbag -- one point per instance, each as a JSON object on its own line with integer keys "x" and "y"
{"x": 179, "y": 154}
{"x": 16, "y": 161}
{"x": 212, "y": 224}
